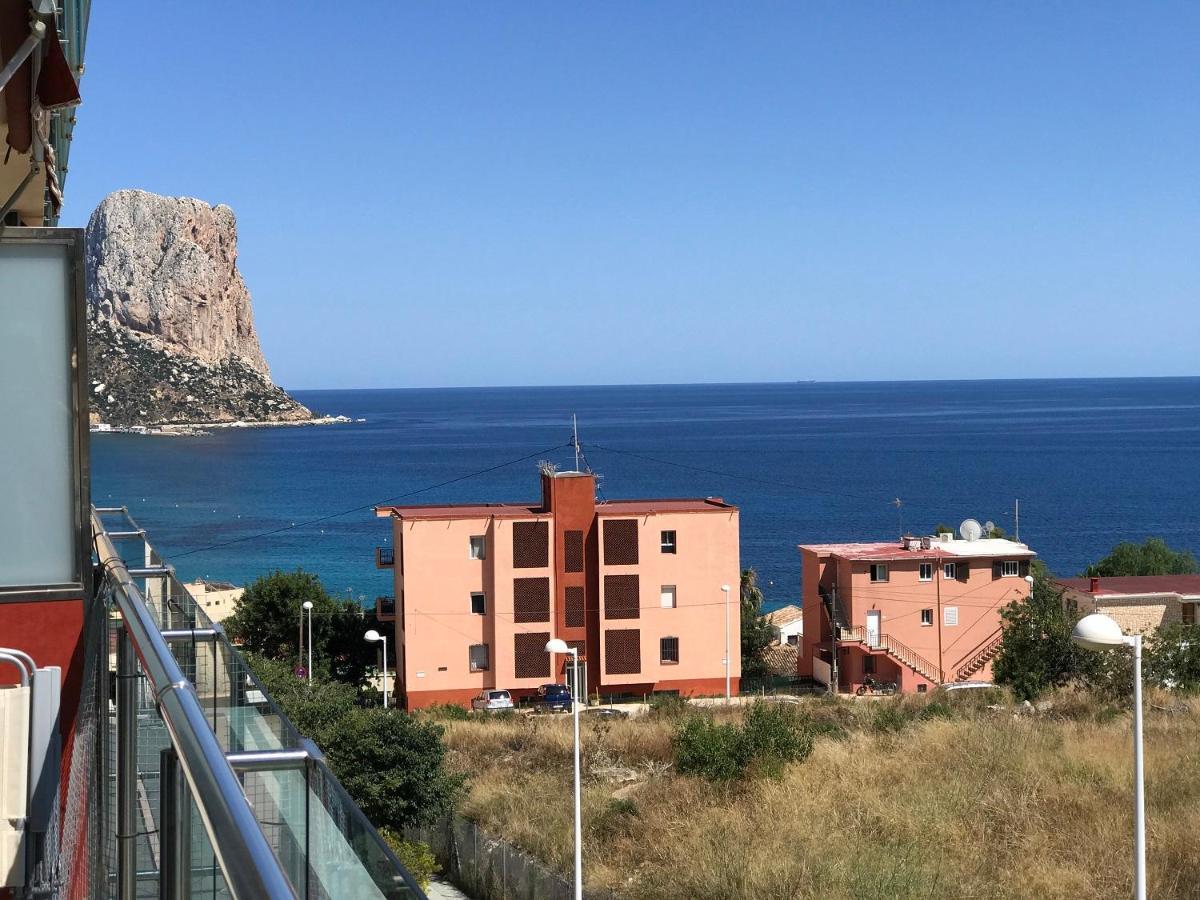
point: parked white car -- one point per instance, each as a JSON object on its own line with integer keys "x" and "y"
{"x": 491, "y": 701}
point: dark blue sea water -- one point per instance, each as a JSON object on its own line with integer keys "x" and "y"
{"x": 1092, "y": 461}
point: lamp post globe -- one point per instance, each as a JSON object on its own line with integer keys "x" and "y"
{"x": 372, "y": 636}
{"x": 1098, "y": 632}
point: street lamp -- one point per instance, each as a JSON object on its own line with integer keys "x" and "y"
{"x": 1099, "y": 632}
{"x": 558, "y": 645}
{"x": 373, "y": 636}
{"x": 307, "y": 606}
{"x": 725, "y": 591}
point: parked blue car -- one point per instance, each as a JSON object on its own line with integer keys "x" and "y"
{"x": 554, "y": 697}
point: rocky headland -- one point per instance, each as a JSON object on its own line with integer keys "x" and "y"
{"x": 171, "y": 339}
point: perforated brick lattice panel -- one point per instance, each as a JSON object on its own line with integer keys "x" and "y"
{"x": 621, "y": 594}
{"x": 531, "y": 600}
{"x": 623, "y": 651}
{"x": 573, "y": 551}
{"x": 621, "y": 542}
{"x": 529, "y": 654}
{"x": 574, "y": 607}
{"x": 531, "y": 545}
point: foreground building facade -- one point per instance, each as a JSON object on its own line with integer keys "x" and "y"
{"x": 635, "y": 585}
{"x": 917, "y": 611}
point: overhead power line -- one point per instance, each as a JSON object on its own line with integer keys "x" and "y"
{"x": 345, "y": 512}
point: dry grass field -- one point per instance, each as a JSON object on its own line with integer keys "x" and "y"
{"x": 898, "y": 800}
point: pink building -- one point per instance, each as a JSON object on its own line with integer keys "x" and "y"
{"x": 634, "y": 584}
{"x": 917, "y": 611}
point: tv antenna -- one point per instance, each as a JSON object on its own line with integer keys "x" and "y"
{"x": 989, "y": 528}
{"x": 970, "y": 530}
{"x": 575, "y": 439}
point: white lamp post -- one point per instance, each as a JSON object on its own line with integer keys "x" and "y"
{"x": 373, "y": 636}
{"x": 725, "y": 591}
{"x": 557, "y": 645}
{"x": 1099, "y": 632}
{"x": 307, "y": 606}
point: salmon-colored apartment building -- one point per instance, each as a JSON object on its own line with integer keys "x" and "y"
{"x": 635, "y": 585}
{"x": 916, "y": 611}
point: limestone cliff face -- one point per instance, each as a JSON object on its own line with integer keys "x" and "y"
{"x": 167, "y": 267}
{"x": 171, "y": 332}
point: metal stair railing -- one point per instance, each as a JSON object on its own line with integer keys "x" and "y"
{"x": 893, "y": 647}
{"x": 975, "y": 660}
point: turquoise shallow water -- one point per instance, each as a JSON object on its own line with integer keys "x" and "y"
{"x": 1093, "y": 461}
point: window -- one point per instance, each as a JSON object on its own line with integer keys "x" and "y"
{"x": 950, "y": 615}
{"x": 950, "y": 570}
{"x": 478, "y": 547}
{"x": 667, "y": 596}
{"x": 668, "y": 650}
{"x": 879, "y": 572}
{"x": 794, "y": 640}
{"x": 927, "y": 617}
{"x": 478, "y": 604}
{"x": 1010, "y": 568}
{"x": 1187, "y": 612}
{"x": 668, "y": 542}
{"x": 926, "y": 572}
{"x": 479, "y": 657}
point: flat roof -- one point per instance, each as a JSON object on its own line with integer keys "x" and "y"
{"x": 889, "y": 550}
{"x": 535, "y": 510}
{"x": 1126, "y": 585}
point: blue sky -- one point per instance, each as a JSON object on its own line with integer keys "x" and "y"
{"x": 557, "y": 193}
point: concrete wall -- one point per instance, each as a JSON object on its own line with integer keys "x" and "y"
{"x": 1135, "y": 614}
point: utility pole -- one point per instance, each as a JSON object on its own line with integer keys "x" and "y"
{"x": 833, "y": 628}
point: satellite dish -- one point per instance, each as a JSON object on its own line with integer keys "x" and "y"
{"x": 970, "y": 530}
{"x": 988, "y": 528}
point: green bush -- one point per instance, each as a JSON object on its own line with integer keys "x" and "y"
{"x": 448, "y": 711}
{"x": 615, "y": 818}
{"x": 891, "y": 717}
{"x": 668, "y": 706}
{"x": 769, "y": 737}
{"x": 415, "y": 855}
{"x": 1172, "y": 658}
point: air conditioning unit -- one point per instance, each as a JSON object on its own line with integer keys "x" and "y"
{"x": 946, "y": 536}
{"x": 926, "y": 543}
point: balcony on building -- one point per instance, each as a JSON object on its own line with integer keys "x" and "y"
{"x": 385, "y": 609}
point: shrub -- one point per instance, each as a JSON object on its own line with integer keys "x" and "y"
{"x": 769, "y": 736}
{"x": 448, "y": 711}
{"x": 415, "y": 855}
{"x": 1172, "y": 658}
{"x": 890, "y": 717}
{"x": 615, "y": 818}
{"x": 668, "y": 706}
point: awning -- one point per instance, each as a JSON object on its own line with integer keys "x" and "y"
{"x": 56, "y": 85}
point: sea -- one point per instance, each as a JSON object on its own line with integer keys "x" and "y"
{"x": 1092, "y": 462}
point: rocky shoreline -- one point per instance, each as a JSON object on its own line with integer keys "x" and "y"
{"x": 195, "y": 429}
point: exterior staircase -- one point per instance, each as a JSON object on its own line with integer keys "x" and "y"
{"x": 979, "y": 657}
{"x": 897, "y": 650}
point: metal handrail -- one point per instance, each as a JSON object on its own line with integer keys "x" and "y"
{"x": 250, "y": 867}
{"x": 967, "y": 667}
{"x": 898, "y": 649}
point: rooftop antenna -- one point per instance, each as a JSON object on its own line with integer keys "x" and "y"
{"x": 575, "y": 439}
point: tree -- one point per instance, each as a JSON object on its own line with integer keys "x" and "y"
{"x": 757, "y": 632}
{"x": 1036, "y": 652}
{"x": 267, "y": 622}
{"x": 392, "y": 764}
{"x": 1153, "y": 557}
{"x": 1172, "y": 658}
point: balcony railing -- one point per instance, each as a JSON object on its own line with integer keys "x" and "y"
{"x": 215, "y": 791}
{"x": 385, "y": 557}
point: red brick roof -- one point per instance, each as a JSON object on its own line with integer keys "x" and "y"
{"x": 1187, "y": 585}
